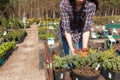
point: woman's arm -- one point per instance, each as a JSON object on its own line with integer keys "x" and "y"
{"x": 64, "y": 12}
{"x": 69, "y": 40}
{"x": 91, "y": 8}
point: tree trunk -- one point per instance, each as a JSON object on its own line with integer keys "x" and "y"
{"x": 53, "y": 14}
{"x": 19, "y": 11}
{"x": 112, "y": 12}
{"x": 42, "y": 14}
{"x": 46, "y": 14}
{"x": 31, "y": 8}
{"x": 106, "y": 13}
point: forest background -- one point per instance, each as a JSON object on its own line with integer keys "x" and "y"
{"x": 50, "y": 8}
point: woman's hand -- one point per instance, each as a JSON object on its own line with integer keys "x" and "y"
{"x": 72, "y": 51}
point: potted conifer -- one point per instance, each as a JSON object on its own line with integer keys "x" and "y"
{"x": 86, "y": 67}
{"x": 110, "y": 65}
{"x": 59, "y": 67}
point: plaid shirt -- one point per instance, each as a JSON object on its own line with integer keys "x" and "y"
{"x": 66, "y": 12}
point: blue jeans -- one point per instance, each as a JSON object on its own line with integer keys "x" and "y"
{"x": 66, "y": 46}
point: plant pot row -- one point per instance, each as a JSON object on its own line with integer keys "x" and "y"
{"x": 107, "y": 63}
{"x": 17, "y": 36}
{"x": 5, "y": 57}
{"x": 111, "y": 75}
{"x": 73, "y": 75}
{"x": 105, "y": 74}
{"x": 22, "y": 38}
{"x": 6, "y": 49}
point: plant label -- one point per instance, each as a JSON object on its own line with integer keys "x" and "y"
{"x": 114, "y": 31}
{"x": 4, "y": 33}
{"x": 51, "y": 41}
{"x": 98, "y": 66}
{"x": 51, "y": 27}
{"x": 111, "y": 39}
{"x": 93, "y": 35}
{"x": 109, "y": 75}
{"x": 76, "y": 79}
{"x": 61, "y": 76}
{"x": 103, "y": 28}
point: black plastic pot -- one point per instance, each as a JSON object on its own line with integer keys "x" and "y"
{"x": 59, "y": 75}
{"x": 83, "y": 77}
{"x": 104, "y": 73}
{"x": 1, "y": 40}
{"x": 111, "y": 75}
{"x": 118, "y": 52}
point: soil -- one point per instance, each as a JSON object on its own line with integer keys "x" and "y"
{"x": 24, "y": 63}
{"x": 86, "y": 71}
{"x": 68, "y": 76}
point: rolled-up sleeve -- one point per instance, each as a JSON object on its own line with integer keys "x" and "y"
{"x": 90, "y": 12}
{"x": 64, "y": 13}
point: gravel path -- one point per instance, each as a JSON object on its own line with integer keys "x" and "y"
{"x": 23, "y": 64}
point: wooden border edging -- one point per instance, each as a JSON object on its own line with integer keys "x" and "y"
{"x": 48, "y": 67}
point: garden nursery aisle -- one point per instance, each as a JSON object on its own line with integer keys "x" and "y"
{"x": 23, "y": 64}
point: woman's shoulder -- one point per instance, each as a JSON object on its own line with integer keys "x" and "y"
{"x": 90, "y": 4}
{"x": 64, "y": 2}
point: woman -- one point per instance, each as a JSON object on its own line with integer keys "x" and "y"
{"x": 76, "y": 22}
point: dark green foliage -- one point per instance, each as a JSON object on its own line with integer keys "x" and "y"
{"x": 59, "y": 63}
{"x": 3, "y": 4}
{"x": 4, "y": 22}
{"x": 14, "y": 36}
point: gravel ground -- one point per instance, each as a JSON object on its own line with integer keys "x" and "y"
{"x": 24, "y": 63}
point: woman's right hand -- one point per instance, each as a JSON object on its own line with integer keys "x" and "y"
{"x": 73, "y": 51}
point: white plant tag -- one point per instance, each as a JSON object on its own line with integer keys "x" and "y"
{"x": 109, "y": 75}
{"x": 98, "y": 66}
{"x": 111, "y": 39}
{"x": 76, "y": 79}
{"x": 51, "y": 27}
{"x": 51, "y": 41}
{"x": 61, "y": 76}
{"x": 5, "y": 33}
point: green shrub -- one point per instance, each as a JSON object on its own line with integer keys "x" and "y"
{"x": 59, "y": 62}
{"x": 112, "y": 64}
{"x": 4, "y": 22}
{"x": 5, "y": 47}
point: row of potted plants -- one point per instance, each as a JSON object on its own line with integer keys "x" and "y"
{"x": 13, "y": 23}
{"x": 88, "y": 67}
{"x": 15, "y": 35}
{"x": 5, "y": 47}
{"x": 44, "y": 33}
{"x": 5, "y": 50}
{"x": 48, "y": 31}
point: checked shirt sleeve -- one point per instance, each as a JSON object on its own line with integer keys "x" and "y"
{"x": 91, "y": 8}
{"x": 65, "y": 23}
